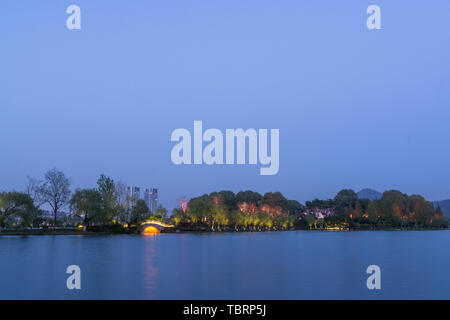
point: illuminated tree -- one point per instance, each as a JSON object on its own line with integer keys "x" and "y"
{"x": 161, "y": 213}
{"x": 16, "y": 207}
{"x": 87, "y": 205}
{"x": 109, "y": 197}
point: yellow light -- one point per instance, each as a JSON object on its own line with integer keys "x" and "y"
{"x": 151, "y": 229}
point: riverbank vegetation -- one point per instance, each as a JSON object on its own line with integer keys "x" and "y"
{"x": 104, "y": 208}
{"x": 251, "y": 211}
{"x": 107, "y": 207}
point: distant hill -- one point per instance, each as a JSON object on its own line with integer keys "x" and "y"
{"x": 445, "y": 207}
{"x": 369, "y": 194}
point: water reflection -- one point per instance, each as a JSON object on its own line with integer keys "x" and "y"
{"x": 274, "y": 265}
{"x": 150, "y": 272}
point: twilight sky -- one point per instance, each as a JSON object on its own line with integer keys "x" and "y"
{"x": 356, "y": 108}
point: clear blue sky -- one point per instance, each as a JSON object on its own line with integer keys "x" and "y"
{"x": 355, "y": 108}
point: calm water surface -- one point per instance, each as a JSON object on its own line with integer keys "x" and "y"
{"x": 275, "y": 265}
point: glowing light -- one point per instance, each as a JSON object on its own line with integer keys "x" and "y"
{"x": 159, "y": 223}
{"x": 183, "y": 204}
{"x": 151, "y": 229}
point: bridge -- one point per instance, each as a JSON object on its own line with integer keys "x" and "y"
{"x": 155, "y": 226}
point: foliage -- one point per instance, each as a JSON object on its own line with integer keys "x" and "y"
{"x": 139, "y": 212}
{"x": 87, "y": 204}
{"x": 109, "y": 197}
{"x": 16, "y": 209}
{"x": 248, "y": 210}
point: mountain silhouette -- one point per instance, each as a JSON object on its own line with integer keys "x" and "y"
{"x": 369, "y": 194}
{"x": 445, "y": 206}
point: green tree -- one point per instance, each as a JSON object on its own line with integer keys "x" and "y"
{"x": 109, "y": 196}
{"x": 421, "y": 209}
{"x": 345, "y": 199}
{"x": 199, "y": 208}
{"x": 372, "y": 213}
{"x": 275, "y": 199}
{"x": 294, "y": 207}
{"x": 249, "y": 197}
{"x": 220, "y": 216}
{"x": 357, "y": 211}
{"x": 87, "y": 205}
{"x": 161, "y": 212}
{"x": 309, "y": 220}
{"x": 16, "y": 206}
{"x": 438, "y": 213}
{"x": 177, "y": 216}
{"x": 224, "y": 198}
{"x": 139, "y": 213}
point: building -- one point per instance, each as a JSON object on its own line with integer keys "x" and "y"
{"x": 133, "y": 195}
{"x": 151, "y": 198}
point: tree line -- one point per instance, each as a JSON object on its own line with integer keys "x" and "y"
{"x": 107, "y": 204}
{"x": 248, "y": 210}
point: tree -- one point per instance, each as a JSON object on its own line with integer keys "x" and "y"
{"x": 17, "y": 206}
{"x": 220, "y": 216}
{"x": 162, "y": 212}
{"x": 87, "y": 204}
{"x": 248, "y": 196}
{"x": 345, "y": 199}
{"x": 109, "y": 196}
{"x": 177, "y": 215}
{"x": 357, "y": 211}
{"x": 399, "y": 202}
{"x": 309, "y": 220}
{"x": 438, "y": 213}
{"x": 294, "y": 207}
{"x": 372, "y": 213}
{"x": 421, "y": 209}
{"x": 55, "y": 190}
{"x": 139, "y": 212}
{"x": 225, "y": 198}
{"x": 199, "y": 208}
{"x": 396, "y": 198}
{"x": 275, "y": 199}
{"x": 32, "y": 189}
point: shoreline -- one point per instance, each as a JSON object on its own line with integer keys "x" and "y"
{"x": 97, "y": 233}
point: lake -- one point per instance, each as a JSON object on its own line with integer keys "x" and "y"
{"x": 260, "y": 265}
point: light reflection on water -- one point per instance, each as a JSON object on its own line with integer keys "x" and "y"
{"x": 150, "y": 268}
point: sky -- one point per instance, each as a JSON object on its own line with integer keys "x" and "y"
{"x": 355, "y": 107}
